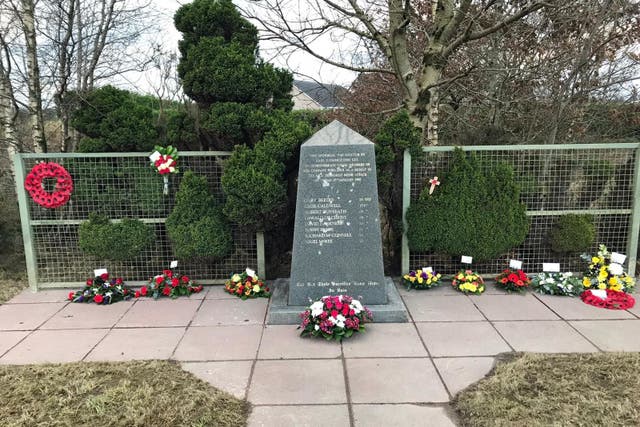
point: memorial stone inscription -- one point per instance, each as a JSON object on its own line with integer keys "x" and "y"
{"x": 336, "y": 245}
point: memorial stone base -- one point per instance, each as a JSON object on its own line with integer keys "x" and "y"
{"x": 280, "y": 313}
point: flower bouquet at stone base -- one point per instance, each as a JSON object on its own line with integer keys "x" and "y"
{"x": 557, "y": 284}
{"x": 247, "y": 285}
{"x": 424, "y": 278}
{"x": 604, "y": 274}
{"x": 169, "y": 284}
{"x": 513, "y": 280}
{"x": 102, "y": 290}
{"x": 468, "y": 282}
{"x": 334, "y": 318}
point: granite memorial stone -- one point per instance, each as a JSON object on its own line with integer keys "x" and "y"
{"x": 337, "y": 245}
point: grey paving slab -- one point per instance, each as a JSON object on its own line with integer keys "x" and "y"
{"x": 26, "y": 316}
{"x": 232, "y": 377}
{"x": 299, "y": 416}
{"x": 428, "y": 307}
{"x": 297, "y": 382}
{"x": 88, "y": 316}
{"x": 574, "y": 309}
{"x": 284, "y": 342}
{"x": 400, "y": 415}
{"x": 52, "y": 295}
{"x": 460, "y": 372}
{"x": 544, "y": 337}
{"x": 231, "y": 312}
{"x": 137, "y": 344}
{"x": 60, "y": 346}
{"x": 612, "y": 335}
{"x": 207, "y": 343}
{"x": 406, "y": 380}
{"x": 385, "y": 340}
{"x": 159, "y": 313}
{"x": 462, "y": 339}
{"x": 442, "y": 290}
{"x": 514, "y": 307}
{"x": 217, "y": 292}
{"x": 10, "y": 338}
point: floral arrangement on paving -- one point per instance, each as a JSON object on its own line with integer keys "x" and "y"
{"x": 424, "y": 278}
{"x": 169, "y": 284}
{"x": 102, "y": 290}
{"x": 334, "y": 318}
{"x": 468, "y": 282}
{"x": 247, "y": 285}
{"x": 608, "y": 298}
{"x": 604, "y": 274}
{"x": 557, "y": 284}
{"x": 513, "y": 280}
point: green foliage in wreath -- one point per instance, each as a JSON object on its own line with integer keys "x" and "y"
{"x": 196, "y": 226}
{"x": 476, "y": 211}
{"x": 572, "y": 233}
{"x": 115, "y": 241}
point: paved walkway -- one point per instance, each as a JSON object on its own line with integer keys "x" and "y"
{"x": 395, "y": 374}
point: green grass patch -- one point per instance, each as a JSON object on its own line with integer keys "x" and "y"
{"x": 567, "y": 389}
{"x": 149, "y": 393}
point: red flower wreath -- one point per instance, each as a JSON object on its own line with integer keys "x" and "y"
{"x": 615, "y": 300}
{"x": 62, "y": 192}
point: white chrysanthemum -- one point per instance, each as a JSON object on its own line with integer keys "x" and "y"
{"x": 615, "y": 269}
{"x": 316, "y": 327}
{"x": 332, "y": 320}
{"x": 356, "y": 306}
{"x": 317, "y": 308}
{"x": 340, "y": 321}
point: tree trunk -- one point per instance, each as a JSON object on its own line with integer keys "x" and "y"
{"x": 33, "y": 77}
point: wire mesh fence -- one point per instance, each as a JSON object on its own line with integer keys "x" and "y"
{"x": 600, "y": 180}
{"x": 119, "y": 186}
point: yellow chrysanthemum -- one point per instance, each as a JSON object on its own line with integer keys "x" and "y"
{"x": 602, "y": 286}
{"x": 613, "y": 281}
{"x": 412, "y": 279}
{"x": 406, "y": 277}
{"x": 616, "y": 287}
{"x": 595, "y": 260}
{"x": 586, "y": 282}
{"x": 420, "y": 280}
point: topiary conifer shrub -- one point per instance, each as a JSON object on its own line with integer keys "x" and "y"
{"x": 196, "y": 226}
{"x": 572, "y": 233}
{"x": 475, "y": 211}
{"x": 114, "y": 241}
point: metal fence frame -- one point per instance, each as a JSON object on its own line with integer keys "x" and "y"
{"x": 633, "y": 212}
{"x": 28, "y": 224}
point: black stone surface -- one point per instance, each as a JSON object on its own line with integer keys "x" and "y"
{"x": 337, "y": 245}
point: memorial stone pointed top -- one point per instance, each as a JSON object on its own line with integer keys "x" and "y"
{"x": 337, "y": 245}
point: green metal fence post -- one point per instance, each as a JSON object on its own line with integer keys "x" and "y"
{"x": 262, "y": 269}
{"x": 634, "y": 228}
{"x": 25, "y": 221}
{"x": 406, "y": 197}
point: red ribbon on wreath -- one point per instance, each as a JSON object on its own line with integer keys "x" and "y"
{"x": 616, "y": 300}
{"x": 63, "y": 188}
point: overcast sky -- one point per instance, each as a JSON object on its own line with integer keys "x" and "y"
{"x": 304, "y": 66}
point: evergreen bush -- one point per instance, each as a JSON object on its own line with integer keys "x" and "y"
{"x": 476, "y": 211}
{"x": 572, "y": 233}
{"x": 196, "y": 226}
{"x": 114, "y": 241}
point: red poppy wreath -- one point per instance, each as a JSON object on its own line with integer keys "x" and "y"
{"x": 615, "y": 300}
{"x": 63, "y": 188}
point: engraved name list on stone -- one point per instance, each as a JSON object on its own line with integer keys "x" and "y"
{"x": 337, "y": 247}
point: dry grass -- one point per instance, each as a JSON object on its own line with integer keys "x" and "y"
{"x": 558, "y": 390}
{"x": 10, "y": 287}
{"x": 152, "y": 393}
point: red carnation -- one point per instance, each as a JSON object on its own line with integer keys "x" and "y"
{"x": 334, "y": 313}
{"x": 166, "y": 291}
{"x": 143, "y": 291}
{"x": 345, "y": 309}
{"x": 185, "y": 279}
{"x": 118, "y": 281}
{"x": 104, "y": 276}
{"x": 98, "y": 299}
{"x": 71, "y": 295}
{"x": 89, "y": 282}
{"x": 174, "y": 282}
{"x": 167, "y": 273}
{"x": 513, "y": 277}
{"x": 137, "y": 294}
{"x": 159, "y": 280}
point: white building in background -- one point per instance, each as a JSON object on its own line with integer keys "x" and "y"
{"x": 308, "y": 95}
